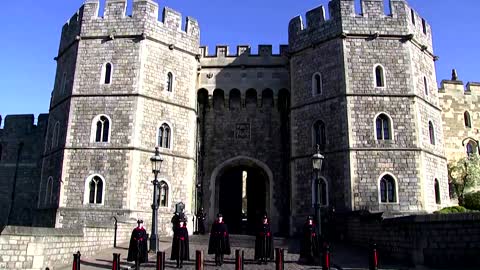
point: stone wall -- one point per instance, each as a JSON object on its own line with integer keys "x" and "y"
{"x": 345, "y": 49}
{"x": 438, "y": 240}
{"x": 21, "y": 143}
{"x": 455, "y": 100}
{"x": 141, "y": 50}
{"x": 242, "y": 123}
{"x": 38, "y": 248}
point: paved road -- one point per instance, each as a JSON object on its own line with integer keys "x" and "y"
{"x": 343, "y": 257}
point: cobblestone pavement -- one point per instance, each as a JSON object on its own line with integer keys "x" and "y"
{"x": 291, "y": 260}
{"x": 343, "y": 256}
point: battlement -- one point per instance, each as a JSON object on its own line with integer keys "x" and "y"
{"x": 23, "y": 123}
{"x": 371, "y": 20}
{"x": 142, "y": 10}
{"x": 458, "y": 87}
{"x": 243, "y": 57}
{"x": 243, "y": 50}
{"x": 115, "y": 22}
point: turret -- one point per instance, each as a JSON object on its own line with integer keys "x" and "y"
{"x": 371, "y": 20}
{"x": 124, "y": 82}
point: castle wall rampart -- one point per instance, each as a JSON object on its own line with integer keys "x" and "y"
{"x": 456, "y": 100}
{"x": 141, "y": 53}
{"x": 243, "y": 70}
{"x": 371, "y": 23}
{"x": 264, "y": 56}
{"x": 21, "y": 149}
{"x": 142, "y": 24}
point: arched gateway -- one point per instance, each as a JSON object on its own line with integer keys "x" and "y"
{"x": 241, "y": 190}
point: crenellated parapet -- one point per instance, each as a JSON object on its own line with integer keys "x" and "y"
{"x": 243, "y": 57}
{"x": 143, "y": 23}
{"x": 317, "y": 28}
{"x": 456, "y": 87}
{"x": 20, "y": 125}
{"x": 71, "y": 30}
{"x": 371, "y": 22}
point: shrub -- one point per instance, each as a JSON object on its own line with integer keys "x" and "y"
{"x": 472, "y": 200}
{"x": 452, "y": 209}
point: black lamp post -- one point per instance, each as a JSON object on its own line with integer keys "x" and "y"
{"x": 156, "y": 164}
{"x": 317, "y": 162}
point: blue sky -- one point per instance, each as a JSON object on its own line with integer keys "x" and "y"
{"x": 31, "y": 32}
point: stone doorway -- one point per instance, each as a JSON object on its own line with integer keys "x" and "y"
{"x": 243, "y": 197}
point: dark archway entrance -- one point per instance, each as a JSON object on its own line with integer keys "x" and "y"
{"x": 243, "y": 197}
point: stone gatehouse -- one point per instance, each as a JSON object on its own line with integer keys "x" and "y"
{"x": 237, "y": 130}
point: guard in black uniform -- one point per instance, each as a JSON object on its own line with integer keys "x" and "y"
{"x": 310, "y": 250}
{"x": 219, "y": 243}
{"x": 264, "y": 242}
{"x": 138, "y": 244}
{"x": 180, "y": 245}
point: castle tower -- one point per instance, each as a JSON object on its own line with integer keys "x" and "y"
{"x": 124, "y": 85}
{"x": 243, "y": 136}
{"x": 459, "y": 105}
{"x": 364, "y": 86}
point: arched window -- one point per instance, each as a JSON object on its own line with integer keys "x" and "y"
{"x": 64, "y": 82}
{"x": 235, "y": 99}
{"x": 379, "y": 76}
{"x": 267, "y": 98}
{"x": 101, "y": 129}
{"x": 107, "y": 73}
{"x": 431, "y": 131}
{"x": 319, "y": 136}
{"x": 48, "y": 191}
{"x": 437, "y": 192}
{"x": 388, "y": 190}
{"x": 251, "y": 98}
{"x": 55, "y": 134}
{"x": 412, "y": 14}
{"x": 471, "y": 146}
{"x": 163, "y": 194}
{"x": 425, "y": 85}
{"x": 317, "y": 84}
{"x": 164, "y": 136}
{"x": 467, "y": 119}
{"x": 383, "y": 127}
{"x": 170, "y": 82}
{"x": 283, "y": 101}
{"x": 202, "y": 99}
{"x": 94, "y": 190}
{"x": 218, "y": 99}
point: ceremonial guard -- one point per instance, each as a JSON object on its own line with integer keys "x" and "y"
{"x": 180, "y": 245}
{"x": 310, "y": 250}
{"x": 137, "y": 250}
{"x": 264, "y": 242}
{"x": 219, "y": 243}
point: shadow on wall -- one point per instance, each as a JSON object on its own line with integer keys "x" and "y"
{"x": 437, "y": 240}
{"x": 243, "y": 105}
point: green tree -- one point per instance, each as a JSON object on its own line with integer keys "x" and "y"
{"x": 464, "y": 174}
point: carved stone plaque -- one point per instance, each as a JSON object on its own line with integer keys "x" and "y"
{"x": 242, "y": 131}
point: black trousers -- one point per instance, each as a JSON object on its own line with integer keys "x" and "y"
{"x": 219, "y": 258}
{"x": 179, "y": 263}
